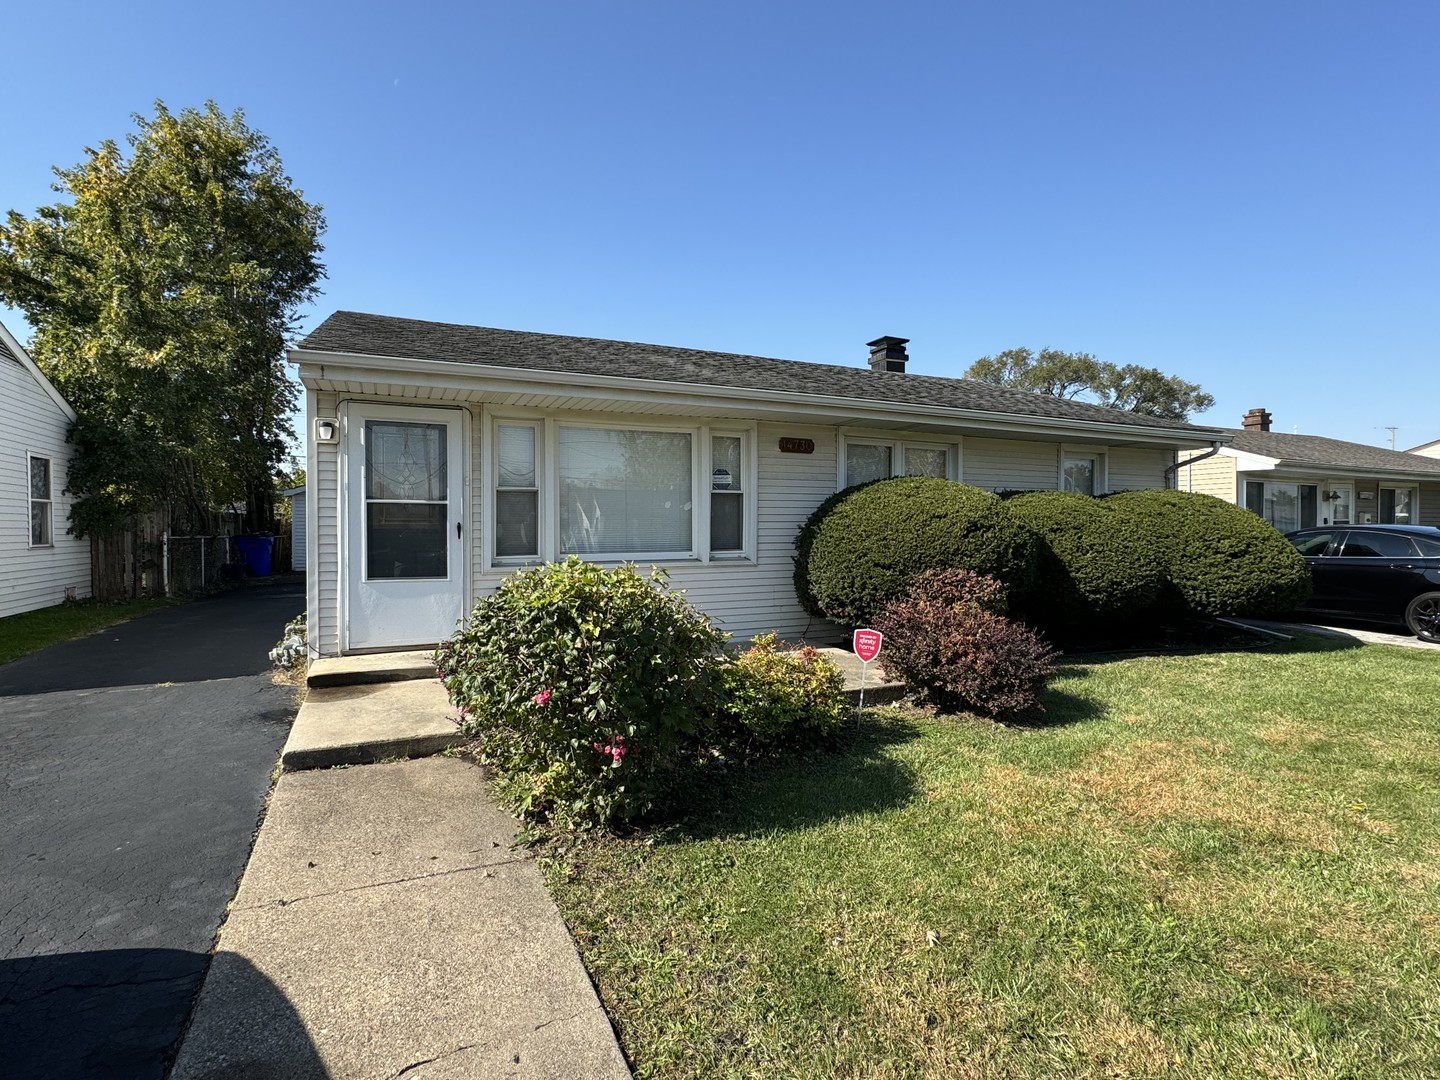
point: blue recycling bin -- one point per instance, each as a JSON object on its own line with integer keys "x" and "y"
{"x": 255, "y": 552}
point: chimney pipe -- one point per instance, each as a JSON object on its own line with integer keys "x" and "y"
{"x": 888, "y": 353}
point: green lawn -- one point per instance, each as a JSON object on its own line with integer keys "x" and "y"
{"x": 34, "y": 630}
{"x": 1223, "y": 865}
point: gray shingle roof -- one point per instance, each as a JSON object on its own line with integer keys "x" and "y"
{"x": 358, "y": 333}
{"x": 1317, "y": 450}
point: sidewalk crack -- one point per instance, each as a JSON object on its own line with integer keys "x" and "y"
{"x": 431, "y": 1061}
{"x": 286, "y": 902}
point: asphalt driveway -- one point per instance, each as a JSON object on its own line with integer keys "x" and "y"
{"x": 134, "y": 765}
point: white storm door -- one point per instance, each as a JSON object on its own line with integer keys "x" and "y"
{"x": 404, "y": 522}
{"x": 1336, "y": 510}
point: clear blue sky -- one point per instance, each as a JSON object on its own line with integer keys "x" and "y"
{"x": 1244, "y": 194}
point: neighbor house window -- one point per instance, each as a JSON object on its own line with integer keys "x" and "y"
{"x": 1397, "y": 506}
{"x": 41, "y": 506}
{"x": 1077, "y": 474}
{"x": 869, "y": 459}
{"x": 1286, "y": 506}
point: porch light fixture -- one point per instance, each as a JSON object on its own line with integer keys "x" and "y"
{"x": 1332, "y": 496}
{"x": 326, "y": 430}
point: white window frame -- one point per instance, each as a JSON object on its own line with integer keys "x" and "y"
{"x": 954, "y": 451}
{"x": 31, "y": 501}
{"x": 493, "y": 488}
{"x": 1099, "y": 455}
{"x": 547, "y": 452}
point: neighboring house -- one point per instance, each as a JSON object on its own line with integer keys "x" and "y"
{"x": 1430, "y": 449}
{"x": 40, "y": 563}
{"x": 1299, "y": 481}
{"x": 443, "y": 457}
{"x": 296, "y": 495}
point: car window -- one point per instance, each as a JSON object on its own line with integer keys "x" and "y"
{"x": 1429, "y": 548}
{"x": 1377, "y": 545}
{"x": 1312, "y": 543}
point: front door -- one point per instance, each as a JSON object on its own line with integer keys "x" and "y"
{"x": 1336, "y": 501}
{"x": 404, "y": 485}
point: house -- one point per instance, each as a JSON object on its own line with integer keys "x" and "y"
{"x": 1430, "y": 449}
{"x": 443, "y": 457}
{"x": 296, "y": 495}
{"x": 41, "y": 564}
{"x": 1298, "y": 481}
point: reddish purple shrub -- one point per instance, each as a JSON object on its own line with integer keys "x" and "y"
{"x": 946, "y": 640}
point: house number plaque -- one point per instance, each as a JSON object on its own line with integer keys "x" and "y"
{"x": 797, "y": 446}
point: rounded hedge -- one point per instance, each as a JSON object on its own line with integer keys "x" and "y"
{"x": 1099, "y": 567}
{"x": 860, "y": 549}
{"x": 1221, "y": 559}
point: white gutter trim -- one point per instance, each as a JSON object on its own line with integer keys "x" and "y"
{"x": 527, "y": 378}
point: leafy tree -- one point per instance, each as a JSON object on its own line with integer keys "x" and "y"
{"x": 162, "y": 291}
{"x": 1131, "y": 388}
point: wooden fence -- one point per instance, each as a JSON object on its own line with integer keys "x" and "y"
{"x": 148, "y": 561}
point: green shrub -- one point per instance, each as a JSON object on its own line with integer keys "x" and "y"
{"x": 805, "y": 540}
{"x": 860, "y": 549}
{"x": 1099, "y": 568}
{"x": 1220, "y": 559}
{"x": 582, "y": 685}
{"x": 958, "y": 655}
{"x": 771, "y": 698}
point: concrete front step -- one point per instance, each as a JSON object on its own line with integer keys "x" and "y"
{"x": 877, "y": 690}
{"x": 370, "y": 668}
{"x": 370, "y": 722}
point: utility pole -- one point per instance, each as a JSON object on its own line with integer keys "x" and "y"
{"x": 1392, "y": 431}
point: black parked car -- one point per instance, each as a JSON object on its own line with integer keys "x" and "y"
{"x": 1378, "y": 573}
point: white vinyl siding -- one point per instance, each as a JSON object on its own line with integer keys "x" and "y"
{"x": 32, "y": 424}
{"x": 1012, "y": 465}
{"x": 324, "y": 573}
{"x": 1130, "y": 469}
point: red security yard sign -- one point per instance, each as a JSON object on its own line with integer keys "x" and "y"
{"x": 867, "y": 647}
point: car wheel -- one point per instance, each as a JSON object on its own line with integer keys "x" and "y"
{"x": 1423, "y": 616}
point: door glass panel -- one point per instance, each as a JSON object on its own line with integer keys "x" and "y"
{"x": 404, "y": 461}
{"x": 1340, "y": 508}
{"x": 405, "y": 540}
{"x": 407, "y": 511}
{"x": 1309, "y": 502}
{"x": 1395, "y": 505}
{"x": 926, "y": 461}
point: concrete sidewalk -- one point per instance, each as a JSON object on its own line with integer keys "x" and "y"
{"x": 386, "y": 926}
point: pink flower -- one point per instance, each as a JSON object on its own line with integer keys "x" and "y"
{"x": 615, "y": 750}
{"x": 542, "y": 698}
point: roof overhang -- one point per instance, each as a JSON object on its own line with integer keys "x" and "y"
{"x": 343, "y": 372}
{"x": 1293, "y": 468}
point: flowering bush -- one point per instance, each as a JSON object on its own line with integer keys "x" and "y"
{"x": 770, "y": 698}
{"x": 582, "y": 685}
{"x": 946, "y": 640}
{"x": 290, "y": 652}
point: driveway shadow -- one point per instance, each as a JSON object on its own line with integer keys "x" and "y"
{"x": 117, "y": 1014}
